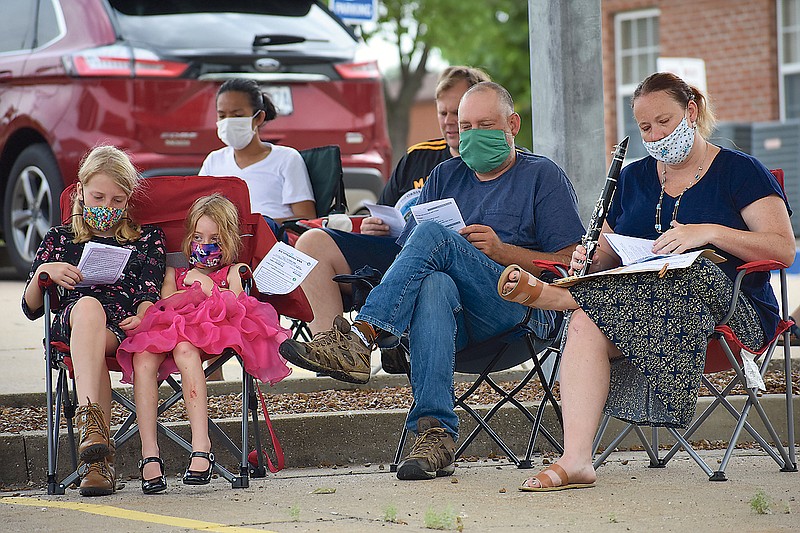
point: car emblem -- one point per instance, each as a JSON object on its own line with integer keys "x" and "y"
{"x": 267, "y": 64}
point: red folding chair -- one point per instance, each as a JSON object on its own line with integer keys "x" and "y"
{"x": 164, "y": 201}
{"x": 724, "y": 353}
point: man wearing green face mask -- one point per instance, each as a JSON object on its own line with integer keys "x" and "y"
{"x": 442, "y": 287}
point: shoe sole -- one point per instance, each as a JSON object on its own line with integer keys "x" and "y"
{"x": 96, "y": 491}
{"x": 94, "y": 453}
{"x": 291, "y": 353}
{"x": 412, "y": 472}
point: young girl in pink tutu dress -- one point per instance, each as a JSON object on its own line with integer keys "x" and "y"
{"x": 203, "y": 311}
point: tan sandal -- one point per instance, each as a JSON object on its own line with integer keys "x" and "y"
{"x": 546, "y": 482}
{"x": 526, "y": 291}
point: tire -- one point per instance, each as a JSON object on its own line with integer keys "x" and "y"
{"x": 31, "y": 204}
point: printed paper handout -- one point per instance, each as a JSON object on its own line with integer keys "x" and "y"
{"x": 282, "y": 270}
{"x": 633, "y": 249}
{"x": 637, "y": 256}
{"x": 102, "y": 264}
{"x": 444, "y": 211}
{"x": 391, "y": 216}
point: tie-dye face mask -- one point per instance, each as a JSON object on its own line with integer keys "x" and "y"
{"x": 207, "y": 255}
{"x": 102, "y": 218}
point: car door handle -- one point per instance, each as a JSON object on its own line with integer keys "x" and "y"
{"x": 6, "y": 75}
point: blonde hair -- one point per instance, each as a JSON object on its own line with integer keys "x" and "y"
{"x": 224, "y": 214}
{"x": 116, "y": 164}
{"x": 457, "y": 73}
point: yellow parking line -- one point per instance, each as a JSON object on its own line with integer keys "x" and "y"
{"x": 125, "y": 514}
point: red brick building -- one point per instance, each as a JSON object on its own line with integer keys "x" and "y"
{"x": 751, "y": 50}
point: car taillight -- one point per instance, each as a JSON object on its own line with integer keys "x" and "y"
{"x": 358, "y": 71}
{"x": 121, "y": 61}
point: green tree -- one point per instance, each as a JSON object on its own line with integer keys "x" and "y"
{"x": 491, "y": 34}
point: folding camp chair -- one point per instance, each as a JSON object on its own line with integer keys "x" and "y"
{"x": 509, "y": 349}
{"x": 324, "y": 164}
{"x": 724, "y": 353}
{"x": 164, "y": 202}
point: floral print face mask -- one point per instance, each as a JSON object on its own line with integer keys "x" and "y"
{"x": 207, "y": 255}
{"x": 102, "y": 218}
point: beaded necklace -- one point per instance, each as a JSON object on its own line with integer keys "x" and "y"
{"x": 678, "y": 199}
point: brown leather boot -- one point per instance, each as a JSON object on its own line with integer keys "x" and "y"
{"x": 99, "y": 478}
{"x": 93, "y": 433}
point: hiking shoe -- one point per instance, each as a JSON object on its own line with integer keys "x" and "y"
{"x": 338, "y": 353}
{"x": 433, "y": 454}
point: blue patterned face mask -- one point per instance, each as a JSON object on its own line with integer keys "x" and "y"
{"x": 207, "y": 255}
{"x": 675, "y": 147}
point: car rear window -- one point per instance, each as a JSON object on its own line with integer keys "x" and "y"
{"x": 230, "y": 24}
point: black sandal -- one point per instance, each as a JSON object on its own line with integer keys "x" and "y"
{"x": 199, "y": 477}
{"x": 157, "y": 484}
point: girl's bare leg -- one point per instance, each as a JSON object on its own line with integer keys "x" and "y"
{"x": 195, "y": 396}
{"x": 145, "y": 395}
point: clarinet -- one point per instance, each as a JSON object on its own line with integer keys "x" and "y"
{"x": 589, "y": 240}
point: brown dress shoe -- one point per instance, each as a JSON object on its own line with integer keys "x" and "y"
{"x": 93, "y": 434}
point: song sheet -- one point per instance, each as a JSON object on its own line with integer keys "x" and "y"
{"x": 102, "y": 264}
{"x": 282, "y": 270}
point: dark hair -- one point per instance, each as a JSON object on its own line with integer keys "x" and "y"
{"x": 258, "y": 100}
{"x": 456, "y": 73}
{"x": 503, "y": 96}
{"x": 682, "y": 93}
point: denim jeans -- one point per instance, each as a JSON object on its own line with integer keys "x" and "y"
{"x": 443, "y": 292}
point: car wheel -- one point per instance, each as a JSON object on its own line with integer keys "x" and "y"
{"x": 31, "y": 204}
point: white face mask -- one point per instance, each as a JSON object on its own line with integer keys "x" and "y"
{"x": 675, "y": 147}
{"x": 236, "y": 132}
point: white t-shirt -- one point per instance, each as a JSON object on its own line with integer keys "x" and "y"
{"x": 275, "y": 182}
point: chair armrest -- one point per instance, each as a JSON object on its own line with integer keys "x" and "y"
{"x": 48, "y": 288}
{"x": 762, "y": 266}
{"x": 560, "y": 269}
{"x": 765, "y": 265}
{"x": 246, "y": 275}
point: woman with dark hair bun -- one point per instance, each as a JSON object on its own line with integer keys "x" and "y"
{"x": 275, "y": 175}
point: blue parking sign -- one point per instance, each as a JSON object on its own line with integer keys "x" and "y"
{"x": 355, "y": 11}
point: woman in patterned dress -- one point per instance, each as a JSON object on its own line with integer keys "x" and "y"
{"x": 93, "y": 319}
{"x": 636, "y": 343}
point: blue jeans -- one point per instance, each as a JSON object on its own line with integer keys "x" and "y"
{"x": 443, "y": 292}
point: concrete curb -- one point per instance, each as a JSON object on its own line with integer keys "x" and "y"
{"x": 347, "y": 439}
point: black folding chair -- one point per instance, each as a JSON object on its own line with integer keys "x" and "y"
{"x": 509, "y": 349}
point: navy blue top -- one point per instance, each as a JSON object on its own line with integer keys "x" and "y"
{"x": 531, "y": 205}
{"x": 733, "y": 181}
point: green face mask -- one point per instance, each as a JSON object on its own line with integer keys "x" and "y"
{"x": 483, "y": 150}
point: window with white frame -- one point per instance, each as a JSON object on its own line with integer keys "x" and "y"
{"x": 789, "y": 51}
{"x": 636, "y": 51}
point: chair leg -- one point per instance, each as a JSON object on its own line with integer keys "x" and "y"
{"x": 398, "y": 455}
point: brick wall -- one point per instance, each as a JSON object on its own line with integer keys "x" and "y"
{"x": 737, "y": 39}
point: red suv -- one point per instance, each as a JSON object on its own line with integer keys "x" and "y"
{"x": 143, "y": 74}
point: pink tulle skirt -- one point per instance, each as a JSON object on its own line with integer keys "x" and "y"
{"x": 212, "y": 324}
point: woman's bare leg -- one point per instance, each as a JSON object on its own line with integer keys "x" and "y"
{"x": 584, "y": 382}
